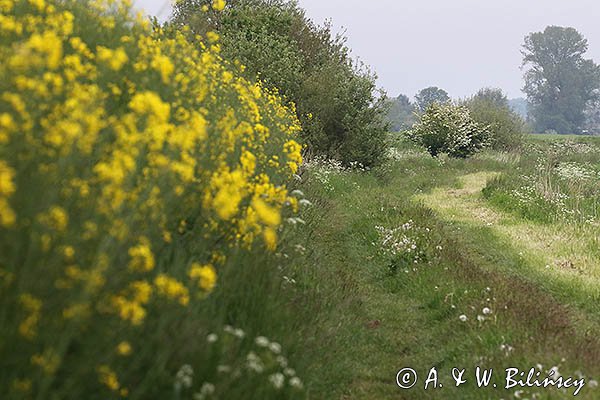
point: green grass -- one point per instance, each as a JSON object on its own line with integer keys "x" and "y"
{"x": 557, "y": 136}
{"x": 385, "y": 312}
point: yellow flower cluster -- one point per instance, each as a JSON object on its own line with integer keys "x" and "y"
{"x": 172, "y": 289}
{"x": 132, "y": 164}
{"x": 7, "y": 188}
{"x": 32, "y": 306}
{"x": 205, "y": 275}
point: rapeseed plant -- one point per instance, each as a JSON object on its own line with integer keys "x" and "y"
{"x": 133, "y": 164}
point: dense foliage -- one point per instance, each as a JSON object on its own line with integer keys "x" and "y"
{"x": 135, "y": 171}
{"x": 430, "y": 95}
{"x": 449, "y": 129}
{"x": 560, "y": 83}
{"x": 337, "y": 104}
{"x": 490, "y": 107}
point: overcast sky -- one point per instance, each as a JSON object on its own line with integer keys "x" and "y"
{"x": 460, "y": 45}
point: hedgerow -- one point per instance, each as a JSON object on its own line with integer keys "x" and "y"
{"x": 337, "y": 101}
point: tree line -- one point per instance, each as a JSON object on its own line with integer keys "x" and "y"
{"x": 562, "y": 87}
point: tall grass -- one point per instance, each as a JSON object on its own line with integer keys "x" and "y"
{"x": 556, "y": 181}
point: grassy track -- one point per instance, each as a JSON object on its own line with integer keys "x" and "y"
{"x": 398, "y": 313}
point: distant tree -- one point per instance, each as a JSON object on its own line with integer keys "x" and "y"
{"x": 493, "y": 96}
{"x": 592, "y": 122}
{"x": 520, "y": 106}
{"x": 560, "y": 83}
{"x": 401, "y": 113}
{"x": 431, "y": 95}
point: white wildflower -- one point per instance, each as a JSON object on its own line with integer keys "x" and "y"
{"x": 207, "y": 389}
{"x": 275, "y": 348}
{"x": 277, "y": 380}
{"x": 212, "y": 338}
{"x": 282, "y": 361}
{"x": 295, "y": 382}
{"x": 262, "y": 341}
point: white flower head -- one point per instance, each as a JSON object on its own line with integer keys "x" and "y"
{"x": 283, "y": 363}
{"x": 184, "y": 377}
{"x": 213, "y": 337}
{"x": 207, "y": 389}
{"x": 295, "y": 382}
{"x": 229, "y": 329}
{"x": 239, "y": 333}
{"x": 254, "y": 363}
{"x": 275, "y": 348}
{"x": 463, "y": 318}
{"x": 262, "y": 341}
{"x": 277, "y": 380}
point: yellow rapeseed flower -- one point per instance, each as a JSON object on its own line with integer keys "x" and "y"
{"x": 7, "y": 185}
{"x": 172, "y": 289}
{"x": 270, "y": 237}
{"x": 206, "y": 275}
{"x": 142, "y": 291}
{"x": 142, "y": 258}
{"x": 108, "y": 378}
{"x": 150, "y": 103}
{"x": 164, "y": 66}
{"x": 49, "y": 45}
{"x": 219, "y": 5}
{"x": 212, "y": 36}
{"x": 48, "y": 361}
{"x": 124, "y": 349}
{"x": 267, "y": 214}
{"x": 115, "y": 59}
{"x": 128, "y": 310}
{"x": 32, "y": 305}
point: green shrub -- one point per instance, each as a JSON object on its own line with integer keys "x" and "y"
{"x": 490, "y": 107}
{"x": 342, "y": 117}
{"x": 450, "y": 129}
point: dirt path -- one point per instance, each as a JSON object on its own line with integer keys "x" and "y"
{"x": 559, "y": 252}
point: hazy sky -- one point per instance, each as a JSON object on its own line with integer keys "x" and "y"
{"x": 459, "y": 45}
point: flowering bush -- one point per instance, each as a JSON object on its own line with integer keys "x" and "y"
{"x": 447, "y": 128}
{"x": 132, "y": 164}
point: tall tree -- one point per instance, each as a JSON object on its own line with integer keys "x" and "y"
{"x": 431, "y": 95}
{"x": 560, "y": 83}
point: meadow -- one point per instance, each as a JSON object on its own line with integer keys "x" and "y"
{"x": 165, "y": 234}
